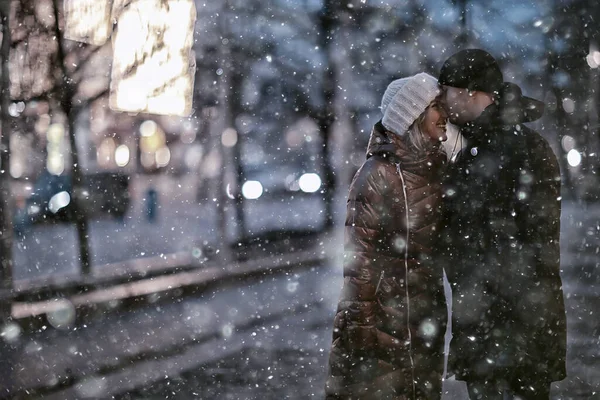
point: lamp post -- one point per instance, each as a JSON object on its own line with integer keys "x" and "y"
{"x": 463, "y": 38}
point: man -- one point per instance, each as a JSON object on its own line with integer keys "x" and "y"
{"x": 500, "y": 242}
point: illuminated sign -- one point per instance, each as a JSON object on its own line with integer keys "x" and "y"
{"x": 88, "y": 21}
{"x": 153, "y": 66}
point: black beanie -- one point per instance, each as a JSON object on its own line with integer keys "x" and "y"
{"x": 472, "y": 69}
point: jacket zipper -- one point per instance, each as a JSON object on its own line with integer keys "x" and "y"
{"x": 410, "y": 354}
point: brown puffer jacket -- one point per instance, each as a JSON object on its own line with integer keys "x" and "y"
{"x": 374, "y": 355}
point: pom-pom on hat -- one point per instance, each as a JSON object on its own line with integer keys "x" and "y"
{"x": 406, "y": 99}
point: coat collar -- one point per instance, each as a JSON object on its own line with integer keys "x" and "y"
{"x": 492, "y": 129}
{"x": 501, "y": 121}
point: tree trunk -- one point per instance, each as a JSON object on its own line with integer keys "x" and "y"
{"x": 326, "y": 118}
{"x": 66, "y": 94}
{"x": 236, "y": 109}
{"x": 222, "y": 122}
{"x": 6, "y": 226}
{"x": 561, "y": 124}
{"x": 463, "y": 37}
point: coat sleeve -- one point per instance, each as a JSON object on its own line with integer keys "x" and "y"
{"x": 538, "y": 224}
{"x": 467, "y": 191}
{"x": 538, "y": 215}
{"x": 367, "y": 220}
{"x": 538, "y": 221}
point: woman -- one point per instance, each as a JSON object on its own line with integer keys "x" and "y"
{"x": 389, "y": 328}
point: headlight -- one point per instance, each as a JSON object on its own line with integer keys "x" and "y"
{"x": 573, "y": 158}
{"x": 58, "y": 201}
{"x": 33, "y": 209}
{"x": 309, "y": 183}
{"x": 291, "y": 183}
{"x": 252, "y": 190}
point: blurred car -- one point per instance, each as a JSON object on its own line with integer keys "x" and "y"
{"x": 280, "y": 201}
{"x": 103, "y": 193}
{"x": 279, "y": 180}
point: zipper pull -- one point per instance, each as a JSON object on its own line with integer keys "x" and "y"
{"x": 380, "y": 279}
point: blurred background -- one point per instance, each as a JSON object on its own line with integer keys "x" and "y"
{"x": 174, "y": 175}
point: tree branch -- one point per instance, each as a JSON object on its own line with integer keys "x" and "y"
{"x": 90, "y": 100}
{"x": 47, "y": 95}
{"x": 86, "y": 59}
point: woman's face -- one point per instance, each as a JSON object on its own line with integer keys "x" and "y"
{"x": 434, "y": 122}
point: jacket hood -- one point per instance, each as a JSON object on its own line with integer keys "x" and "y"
{"x": 387, "y": 144}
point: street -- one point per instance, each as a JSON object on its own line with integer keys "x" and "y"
{"x": 263, "y": 338}
{"x": 128, "y": 350}
{"x": 293, "y": 363}
{"x": 182, "y": 224}
{"x": 283, "y": 358}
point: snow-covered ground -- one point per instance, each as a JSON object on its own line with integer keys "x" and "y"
{"x": 270, "y": 338}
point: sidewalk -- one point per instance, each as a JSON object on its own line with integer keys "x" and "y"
{"x": 580, "y": 238}
{"x": 141, "y": 277}
{"x": 110, "y": 273}
{"x": 54, "y": 358}
{"x": 58, "y": 359}
{"x": 120, "y": 351}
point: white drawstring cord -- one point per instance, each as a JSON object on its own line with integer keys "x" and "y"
{"x": 452, "y": 154}
{"x": 412, "y": 364}
{"x": 379, "y": 283}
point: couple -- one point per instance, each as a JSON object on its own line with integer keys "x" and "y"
{"x": 490, "y": 220}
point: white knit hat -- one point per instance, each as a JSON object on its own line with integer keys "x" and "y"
{"x": 405, "y": 99}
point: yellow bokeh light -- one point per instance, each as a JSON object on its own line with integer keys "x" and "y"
{"x": 148, "y": 128}
{"x": 152, "y": 137}
{"x": 105, "y": 152}
{"x": 229, "y": 137}
{"x": 56, "y": 133}
{"x": 55, "y": 147}
{"x": 122, "y": 155}
{"x": 163, "y": 156}
{"x": 55, "y": 163}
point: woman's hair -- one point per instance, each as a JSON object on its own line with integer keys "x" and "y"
{"x": 417, "y": 139}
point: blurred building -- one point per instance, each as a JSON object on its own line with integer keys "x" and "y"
{"x": 276, "y": 68}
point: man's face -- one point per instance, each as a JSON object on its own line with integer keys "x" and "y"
{"x": 459, "y": 103}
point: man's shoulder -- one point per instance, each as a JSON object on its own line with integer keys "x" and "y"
{"x": 531, "y": 135}
{"x": 537, "y": 143}
{"x": 539, "y": 153}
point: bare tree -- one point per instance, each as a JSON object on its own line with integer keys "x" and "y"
{"x": 55, "y": 71}
{"x": 65, "y": 97}
{"x": 570, "y": 78}
{"x": 326, "y": 118}
{"x": 6, "y": 203}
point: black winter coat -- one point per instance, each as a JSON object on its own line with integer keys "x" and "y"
{"x": 500, "y": 249}
{"x": 390, "y": 323}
